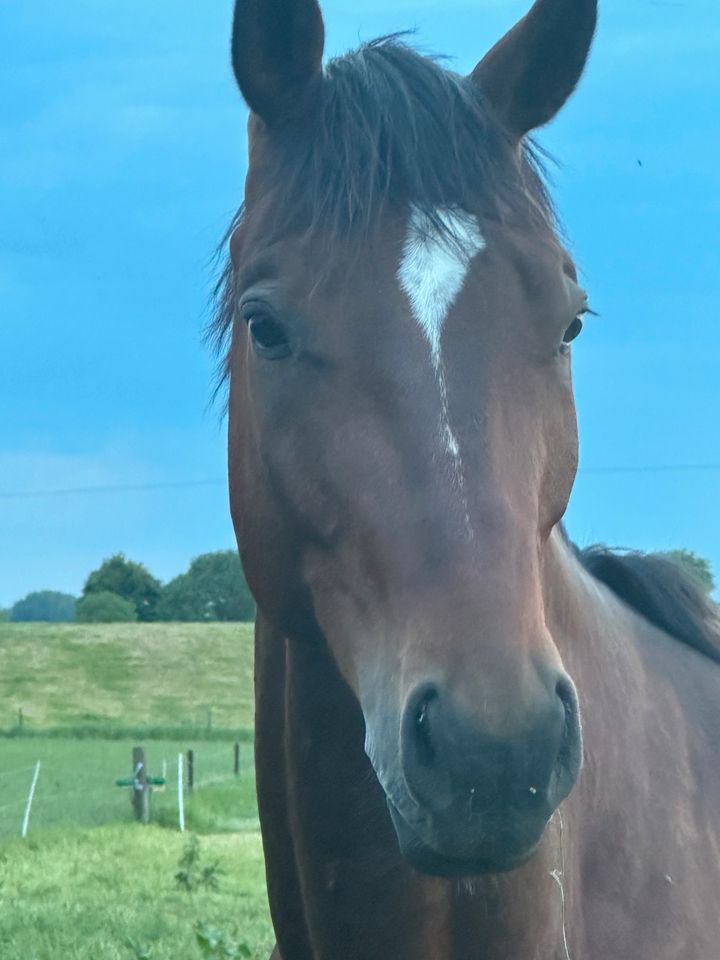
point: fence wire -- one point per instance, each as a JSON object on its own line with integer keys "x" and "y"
{"x": 77, "y": 782}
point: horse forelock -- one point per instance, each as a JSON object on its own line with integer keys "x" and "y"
{"x": 390, "y": 128}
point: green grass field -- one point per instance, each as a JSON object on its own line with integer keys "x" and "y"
{"x": 88, "y": 883}
{"x": 76, "y": 785}
{"x": 134, "y": 675}
{"x": 111, "y": 894}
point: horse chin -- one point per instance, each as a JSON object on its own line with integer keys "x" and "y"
{"x": 489, "y": 858}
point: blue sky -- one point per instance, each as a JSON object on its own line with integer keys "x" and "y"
{"x": 122, "y": 159}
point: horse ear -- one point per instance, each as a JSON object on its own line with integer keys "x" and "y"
{"x": 532, "y": 71}
{"x": 277, "y": 49}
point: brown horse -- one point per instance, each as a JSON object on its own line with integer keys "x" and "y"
{"x": 399, "y": 309}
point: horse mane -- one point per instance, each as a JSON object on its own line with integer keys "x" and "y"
{"x": 662, "y": 590}
{"x": 391, "y": 127}
{"x": 395, "y": 125}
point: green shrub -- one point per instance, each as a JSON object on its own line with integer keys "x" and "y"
{"x": 194, "y": 872}
{"x": 213, "y": 588}
{"x": 698, "y": 567}
{"x": 44, "y": 606}
{"x": 129, "y": 580}
{"x": 105, "y": 607}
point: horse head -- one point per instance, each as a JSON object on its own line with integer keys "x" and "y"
{"x": 402, "y": 427}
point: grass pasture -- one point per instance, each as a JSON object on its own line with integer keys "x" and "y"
{"x": 88, "y": 883}
{"x": 111, "y": 894}
{"x": 106, "y": 678}
{"x": 76, "y": 786}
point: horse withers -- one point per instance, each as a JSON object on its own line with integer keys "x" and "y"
{"x": 433, "y": 658}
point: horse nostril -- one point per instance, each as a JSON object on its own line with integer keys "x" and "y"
{"x": 423, "y": 747}
{"x": 570, "y": 755}
{"x": 567, "y": 696}
{"x": 421, "y": 723}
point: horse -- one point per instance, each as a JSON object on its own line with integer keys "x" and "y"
{"x": 473, "y": 740}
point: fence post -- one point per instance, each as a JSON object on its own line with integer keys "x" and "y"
{"x": 236, "y": 759}
{"x": 181, "y": 804}
{"x": 190, "y": 769}
{"x": 28, "y": 802}
{"x": 141, "y": 788}
{"x": 21, "y": 718}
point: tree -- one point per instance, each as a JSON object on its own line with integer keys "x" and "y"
{"x": 4, "y": 616}
{"x": 129, "y": 580}
{"x": 214, "y": 588}
{"x": 105, "y": 607}
{"x": 47, "y": 606}
{"x": 697, "y": 566}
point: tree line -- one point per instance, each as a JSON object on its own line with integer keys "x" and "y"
{"x": 213, "y": 588}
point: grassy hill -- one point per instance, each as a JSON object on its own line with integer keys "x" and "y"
{"x": 122, "y": 677}
{"x": 89, "y": 882}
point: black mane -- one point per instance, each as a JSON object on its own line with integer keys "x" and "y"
{"x": 392, "y": 127}
{"x": 396, "y": 126}
{"x": 662, "y": 590}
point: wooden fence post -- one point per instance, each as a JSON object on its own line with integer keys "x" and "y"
{"x": 141, "y": 787}
{"x": 236, "y": 759}
{"x": 190, "y": 769}
{"x": 181, "y": 803}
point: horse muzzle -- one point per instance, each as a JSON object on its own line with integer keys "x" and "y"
{"x": 468, "y": 802}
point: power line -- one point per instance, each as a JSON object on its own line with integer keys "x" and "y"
{"x": 216, "y": 482}
{"x": 661, "y": 468}
{"x": 109, "y": 488}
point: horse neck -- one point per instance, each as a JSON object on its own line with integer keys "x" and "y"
{"x": 337, "y": 882}
{"x": 596, "y": 634}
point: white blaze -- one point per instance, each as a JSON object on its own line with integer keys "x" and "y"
{"x": 433, "y": 270}
{"x": 432, "y": 273}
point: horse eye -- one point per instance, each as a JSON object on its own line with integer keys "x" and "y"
{"x": 573, "y": 331}
{"x": 268, "y": 337}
